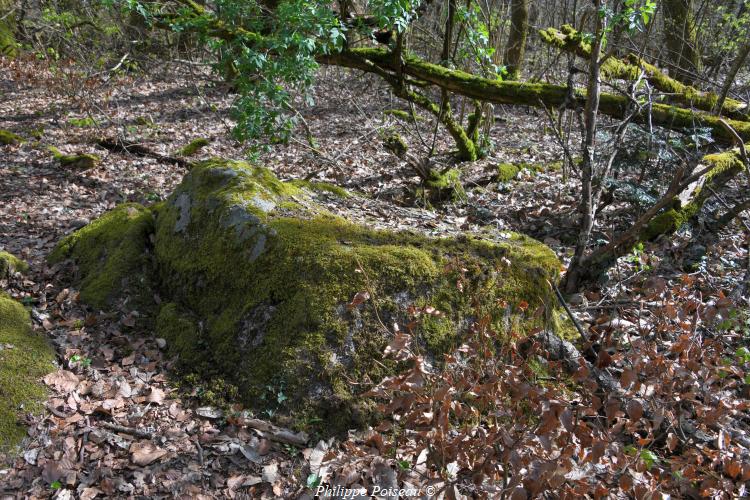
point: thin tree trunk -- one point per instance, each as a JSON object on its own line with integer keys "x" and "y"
{"x": 736, "y": 65}
{"x": 586, "y": 207}
{"x": 519, "y": 29}
{"x": 681, "y": 34}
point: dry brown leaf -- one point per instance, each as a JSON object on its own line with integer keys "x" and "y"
{"x": 144, "y": 452}
{"x": 156, "y": 396}
{"x": 62, "y": 381}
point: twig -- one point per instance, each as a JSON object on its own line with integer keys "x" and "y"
{"x": 567, "y": 310}
{"x": 139, "y": 433}
{"x": 277, "y": 433}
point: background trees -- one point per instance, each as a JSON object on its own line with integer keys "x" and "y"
{"x": 455, "y": 61}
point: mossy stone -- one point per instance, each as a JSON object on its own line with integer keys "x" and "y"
{"x": 506, "y": 172}
{"x": 112, "y": 255}
{"x": 24, "y": 359}
{"x": 80, "y": 161}
{"x": 10, "y": 264}
{"x": 257, "y": 281}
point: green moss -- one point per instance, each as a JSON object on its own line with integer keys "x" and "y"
{"x": 193, "y": 147}
{"x": 725, "y": 166}
{"x": 7, "y": 138}
{"x": 9, "y": 264}
{"x": 321, "y": 186}
{"x": 268, "y": 275}
{"x": 396, "y": 144}
{"x": 406, "y": 116}
{"x": 506, "y": 172}
{"x": 87, "y": 122}
{"x": 24, "y": 358}
{"x": 82, "y": 161}
{"x": 111, "y": 254}
{"x": 445, "y": 185}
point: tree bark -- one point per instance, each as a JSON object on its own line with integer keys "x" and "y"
{"x": 681, "y": 37}
{"x": 736, "y": 65}
{"x": 587, "y": 206}
{"x": 516, "y": 47}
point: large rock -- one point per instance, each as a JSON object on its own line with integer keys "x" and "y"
{"x": 24, "y": 359}
{"x": 258, "y": 284}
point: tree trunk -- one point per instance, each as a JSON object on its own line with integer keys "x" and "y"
{"x": 681, "y": 37}
{"x": 516, "y": 47}
{"x": 586, "y": 207}
{"x": 736, "y": 65}
{"x": 8, "y": 45}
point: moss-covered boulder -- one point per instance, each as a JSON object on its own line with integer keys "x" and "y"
{"x": 24, "y": 359}
{"x": 10, "y": 264}
{"x": 262, "y": 286}
{"x": 112, "y": 254}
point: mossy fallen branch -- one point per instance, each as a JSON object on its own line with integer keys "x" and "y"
{"x": 532, "y": 94}
{"x": 688, "y": 204}
{"x": 193, "y": 147}
{"x": 7, "y": 138}
{"x": 79, "y": 161}
{"x": 405, "y": 116}
{"x": 570, "y": 40}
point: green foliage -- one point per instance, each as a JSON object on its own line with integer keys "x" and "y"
{"x": 477, "y": 47}
{"x": 394, "y": 14}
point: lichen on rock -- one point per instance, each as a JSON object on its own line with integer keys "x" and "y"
{"x": 258, "y": 279}
{"x": 24, "y": 359}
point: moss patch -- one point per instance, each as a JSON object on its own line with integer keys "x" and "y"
{"x": 8, "y": 138}
{"x": 193, "y": 147}
{"x": 725, "y": 166}
{"x": 81, "y": 161}
{"x": 506, "y": 172}
{"x": 406, "y": 116}
{"x": 24, "y": 359}
{"x": 10, "y": 264}
{"x": 111, "y": 253}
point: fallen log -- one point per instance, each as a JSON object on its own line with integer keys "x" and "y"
{"x": 570, "y": 40}
{"x": 375, "y": 60}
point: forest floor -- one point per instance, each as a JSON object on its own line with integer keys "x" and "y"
{"x": 116, "y": 424}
